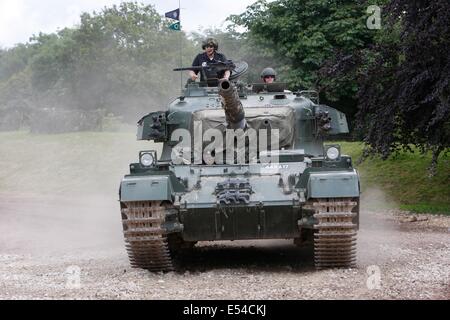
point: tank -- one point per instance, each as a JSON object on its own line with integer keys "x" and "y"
{"x": 240, "y": 162}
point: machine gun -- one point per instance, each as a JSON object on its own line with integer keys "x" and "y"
{"x": 216, "y": 68}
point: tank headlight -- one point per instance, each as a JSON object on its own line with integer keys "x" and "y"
{"x": 147, "y": 158}
{"x": 333, "y": 152}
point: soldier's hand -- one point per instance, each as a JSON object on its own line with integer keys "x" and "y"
{"x": 194, "y": 77}
{"x": 226, "y": 76}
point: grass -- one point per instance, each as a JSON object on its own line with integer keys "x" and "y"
{"x": 93, "y": 162}
{"x": 426, "y": 208}
{"x": 405, "y": 179}
{"x": 72, "y": 163}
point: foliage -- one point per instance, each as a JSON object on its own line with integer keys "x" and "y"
{"x": 404, "y": 179}
{"x": 118, "y": 60}
{"x": 396, "y": 78}
{"x": 14, "y": 60}
{"x": 305, "y": 35}
{"x": 404, "y": 92}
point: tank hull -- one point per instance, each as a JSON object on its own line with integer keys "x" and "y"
{"x": 240, "y": 202}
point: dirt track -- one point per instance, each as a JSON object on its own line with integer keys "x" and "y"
{"x": 41, "y": 237}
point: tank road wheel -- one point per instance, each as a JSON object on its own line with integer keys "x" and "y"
{"x": 335, "y": 236}
{"x": 146, "y": 239}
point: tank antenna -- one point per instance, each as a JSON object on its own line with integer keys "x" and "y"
{"x": 181, "y": 48}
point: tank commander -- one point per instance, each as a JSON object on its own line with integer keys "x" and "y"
{"x": 210, "y": 55}
{"x": 268, "y": 75}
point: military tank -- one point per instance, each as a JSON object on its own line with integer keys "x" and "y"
{"x": 240, "y": 162}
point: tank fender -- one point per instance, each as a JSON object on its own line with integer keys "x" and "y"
{"x": 332, "y": 184}
{"x": 146, "y": 188}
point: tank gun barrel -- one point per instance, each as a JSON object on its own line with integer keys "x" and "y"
{"x": 234, "y": 111}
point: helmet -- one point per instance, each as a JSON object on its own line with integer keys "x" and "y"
{"x": 268, "y": 72}
{"x": 210, "y": 41}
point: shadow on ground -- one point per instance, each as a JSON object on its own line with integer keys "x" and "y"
{"x": 273, "y": 255}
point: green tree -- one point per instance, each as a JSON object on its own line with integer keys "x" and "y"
{"x": 119, "y": 59}
{"x": 15, "y": 79}
{"x": 306, "y": 36}
{"x": 128, "y": 52}
{"x": 14, "y": 60}
{"x": 405, "y": 89}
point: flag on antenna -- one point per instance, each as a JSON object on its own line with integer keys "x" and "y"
{"x": 176, "y": 26}
{"x": 174, "y": 14}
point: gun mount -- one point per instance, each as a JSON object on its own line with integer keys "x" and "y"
{"x": 236, "y": 69}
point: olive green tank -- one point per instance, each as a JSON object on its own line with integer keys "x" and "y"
{"x": 240, "y": 162}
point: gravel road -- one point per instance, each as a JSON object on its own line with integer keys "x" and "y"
{"x": 72, "y": 248}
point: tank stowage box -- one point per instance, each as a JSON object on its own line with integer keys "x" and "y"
{"x": 240, "y": 162}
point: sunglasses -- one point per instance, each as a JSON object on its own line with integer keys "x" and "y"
{"x": 210, "y": 46}
{"x": 267, "y": 77}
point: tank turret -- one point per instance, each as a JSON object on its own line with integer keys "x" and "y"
{"x": 234, "y": 111}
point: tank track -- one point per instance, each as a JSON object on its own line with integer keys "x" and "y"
{"x": 335, "y": 236}
{"x": 146, "y": 239}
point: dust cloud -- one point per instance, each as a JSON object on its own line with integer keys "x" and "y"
{"x": 64, "y": 200}
{"x": 56, "y": 225}
{"x": 378, "y": 231}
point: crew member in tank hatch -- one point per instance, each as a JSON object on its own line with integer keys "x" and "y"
{"x": 268, "y": 75}
{"x": 210, "y": 55}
